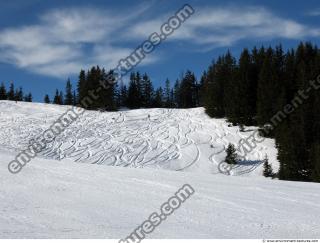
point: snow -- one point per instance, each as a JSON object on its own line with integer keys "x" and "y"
{"x": 172, "y": 139}
{"x": 127, "y": 166}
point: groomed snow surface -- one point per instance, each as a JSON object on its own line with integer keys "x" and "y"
{"x": 108, "y": 172}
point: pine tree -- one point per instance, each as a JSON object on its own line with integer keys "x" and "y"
{"x": 18, "y": 95}
{"x": 257, "y": 63}
{"x": 123, "y": 95}
{"x": 138, "y": 82}
{"x": 167, "y": 90}
{"x": 172, "y": 105}
{"x": 47, "y": 99}
{"x": 110, "y": 93}
{"x": 315, "y": 156}
{"x": 58, "y": 98}
{"x": 176, "y": 93}
{"x": 74, "y": 98}
{"x": 266, "y": 90}
{"x": 135, "y": 99}
{"x": 227, "y": 75}
{"x": 267, "y": 168}
{"x": 244, "y": 91}
{"x": 28, "y": 97}
{"x": 232, "y": 156}
{"x": 61, "y": 98}
{"x": 3, "y": 92}
{"x": 68, "y": 100}
{"x": 147, "y": 91}
{"x": 11, "y": 92}
{"x": 158, "y": 99}
{"x": 82, "y": 86}
{"x": 231, "y": 90}
{"x": 315, "y": 145}
{"x": 203, "y": 89}
{"x": 187, "y": 91}
{"x": 215, "y": 94}
{"x": 92, "y": 81}
{"x": 133, "y": 93}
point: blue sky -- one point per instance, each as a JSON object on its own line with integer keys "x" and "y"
{"x": 43, "y": 43}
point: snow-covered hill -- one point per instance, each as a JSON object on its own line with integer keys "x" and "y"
{"x": 64, "y": 193}
{"x": 173, "y": 139}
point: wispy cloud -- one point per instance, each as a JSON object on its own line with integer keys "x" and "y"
{"x": 225, "y": 26}
{"x": 315, "y": 12}
{"x": 66, "y": 40}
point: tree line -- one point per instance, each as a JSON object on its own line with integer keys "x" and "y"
{"x": 257, "y": 87}
{"x": 14, "y": 94}
{"x": 141, "y": 93}
{"x": 60, "y": 98}
{"x": 138, "y": 93}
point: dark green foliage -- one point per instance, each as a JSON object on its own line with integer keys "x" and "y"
{"x": 215, "y": 92}
{"x": 68, "y": 100}
{"x": 315, "y": 157}
{"x": 231, "y": 157}
{"x": 58, "y": 98}
{"x": 96, "y": 90}
{"x": 14, "y": 95}
{"x": 3, "y": 92}
{"x": 147, "y": 91}
{"x": 134, "y": 95}
{"x": 123, "y": 95}
{"x": 257, "y": 89}
{"x": 267, "y": 168}
{"x": 82, "y": 86}
{"x": 158, "y": 99}
{"x": 18, "y": 95}
{"x": 267, "y": 88}
{"x": 176, "y": 93}
{"x": 28, "y": 97}
{"x": 167, "y": 94}
{"x": 46, "y": 99}
{"x": 246, "y": 83}
{"x": 74, "y": 98}
{"x": 203, "y": 89}
{"x": 188, "y": 91}
{"x": 61, "y": 98}
{"x": 11, "y": 93}
{"x": 136, "y": 87}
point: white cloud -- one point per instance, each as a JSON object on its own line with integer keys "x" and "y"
{"x": 67, "y": 40}
{"x": 314, "y": 13}
{"x": 82, "y": 25}
{"x": 225, "y": 26}
{"x": 64, "y": 41}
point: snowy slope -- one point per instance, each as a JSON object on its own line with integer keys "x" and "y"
{"x": 54, "y": 197}
{"x": 179, "y": 140}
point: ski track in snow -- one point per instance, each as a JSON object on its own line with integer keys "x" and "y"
{"x": 63, "y": 193}
{"x": 174, "y": 139}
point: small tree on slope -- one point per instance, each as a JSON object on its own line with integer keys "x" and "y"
{"x": 231, "y": 157}
{"x": 47, "y": 99}
{"x": 267, "y": 168}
